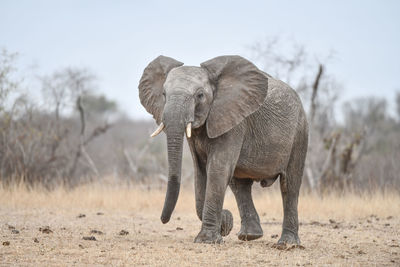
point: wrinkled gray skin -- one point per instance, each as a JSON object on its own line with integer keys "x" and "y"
{"x": 246, "y": 127}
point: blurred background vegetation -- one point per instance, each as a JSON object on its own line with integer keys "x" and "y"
{"x": 76, "y": 135}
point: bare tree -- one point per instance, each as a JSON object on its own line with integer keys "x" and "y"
{"x": 38, "y": 146}
{"x": 309, "y": 168}
{"x": 283, "y": 60}
{"x": 398, "y": 106}
{"x": 7, "y": 83}
{"x": 77, "y": 83}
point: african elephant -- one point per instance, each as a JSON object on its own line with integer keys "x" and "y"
{"x": 241, "y": 125}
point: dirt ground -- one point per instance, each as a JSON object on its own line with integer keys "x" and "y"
{"x": 122, "y": 227}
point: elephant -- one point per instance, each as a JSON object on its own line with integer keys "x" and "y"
{"x": 242, "y": 126}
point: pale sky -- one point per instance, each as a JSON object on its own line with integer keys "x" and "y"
{"x": 117, "y": 39}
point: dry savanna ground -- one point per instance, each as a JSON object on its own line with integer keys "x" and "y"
{"x": 95, "y": 225}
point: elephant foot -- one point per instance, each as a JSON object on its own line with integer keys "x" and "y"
{"x": 215, "y": 237}
{"x": 289, "y": 237}
{"x": 250, "y": 230}
{"x": 208, "y": 237}
{"x": 226, "y": 222}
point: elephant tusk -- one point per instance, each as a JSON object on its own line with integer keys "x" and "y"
{"x": 159, "y": 129}
{"x": 189, "y": 130}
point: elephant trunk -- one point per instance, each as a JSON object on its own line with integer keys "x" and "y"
{"x": 175, "y": 120}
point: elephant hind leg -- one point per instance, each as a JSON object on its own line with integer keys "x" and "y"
{"x": 290, "y": 186}
{"x": 290, "y": 226}
{"x": 250, "y": 221}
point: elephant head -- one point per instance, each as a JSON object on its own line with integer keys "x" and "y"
{"x": 219, "y": 94}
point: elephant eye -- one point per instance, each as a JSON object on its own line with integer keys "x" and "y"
{"x": 200, "y": 96}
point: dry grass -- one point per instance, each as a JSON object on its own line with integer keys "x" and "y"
{"x": 338, "y": 230}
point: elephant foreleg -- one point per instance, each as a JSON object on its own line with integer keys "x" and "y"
{"x": 215, "y": 221}
{"x": 200, "y": 179}
{"x": 250, "y": 222}
{"x": 212, "y": 211}
{"x": 200, "y": 182}
{"x": 200, "y": 192}
{"x": 222, "y": 156}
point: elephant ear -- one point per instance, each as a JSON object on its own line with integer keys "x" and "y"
{"x": 151, "y": 85}
{"x": 240, "y": 89}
